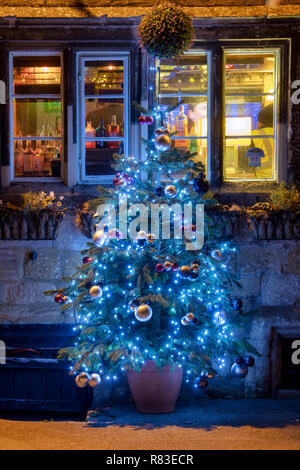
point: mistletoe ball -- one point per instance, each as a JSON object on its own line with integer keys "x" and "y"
{"x": 166, "y": 31}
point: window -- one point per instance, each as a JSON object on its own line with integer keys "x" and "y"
{"x": 251, "y": 113}
{"x": 36, "y": 115}
{"x": 185, "y": 80}
{"x": 103, "y": 107}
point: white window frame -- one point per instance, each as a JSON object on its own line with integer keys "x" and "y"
{"x": 208, "y": 54}
{"x": 42, "y": 179}
{"x": 276, "y": 136}
{"x": 82, "y": 58}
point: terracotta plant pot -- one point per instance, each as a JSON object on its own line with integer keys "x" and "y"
{"x": 155, "y": 391}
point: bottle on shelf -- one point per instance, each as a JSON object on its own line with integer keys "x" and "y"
{"x": 38, "y": 161}
{"x": 28, "y": 157}
{"x": 19, "y": 158}
{"x": 90, "y": 132}
{"x": 113, "y": 130}
{"x": 100, "y": 132}
{"x": 181, "y": 129}
{"x": 193, "y": 142}
{"x": 171, "y": 123}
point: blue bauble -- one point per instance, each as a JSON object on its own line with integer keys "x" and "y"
{"x": 239, "y": 371}
{"x": 200, "y": 184}
{"x": 249, "y": 361}
{"x": 235, "y": 303}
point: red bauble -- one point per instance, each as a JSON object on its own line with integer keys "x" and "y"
{"x": 159, "y": 267}
{"x": 59, "y": 298}
{"x": 87, "y": 259}
{"x": 149, "y": 120}
{"x": 175, "y": 266}
{"x": 142, "y": 120}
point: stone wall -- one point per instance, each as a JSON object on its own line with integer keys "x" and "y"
{"x": 268, "y": 270}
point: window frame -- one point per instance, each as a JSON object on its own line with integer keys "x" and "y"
{"x": 35, "y": 53}
{"x": 98, "y": 55}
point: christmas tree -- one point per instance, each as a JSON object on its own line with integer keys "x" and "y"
{"x": 149, "y": 297}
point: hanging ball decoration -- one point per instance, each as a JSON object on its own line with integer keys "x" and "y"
{"x": 100, "y": 237}
{"x": 200, "y": 185}
{"x": 239, "y": 371}
{"x": 159, "y": 267}
{"x": 216, "y": 254}
{"x": 67, "y": 299}
{"x": 151, "y": 239}
{"x": 142, "y": 120}
{"x": 159, "y": 191}
{"x": 82, "y": 379}
{"x": 249, "y": 361}
{"x": 162, "y": 142}
{"x": 133, "y": 304}
{"x": 170, "y": 191}
{"x": 184, "y": 271}
{"x": 59, "y": 298}
{"x": 143, "y": 312}
{"x": 184, "y": 321}
{"x": 95, "y": 292}
{"x": 175, "y": 267}
{"x": 202, "y": 381}
{"x": 87, "y": 259}
{"x": 149, "y": 120}
{"x": 195, "y": 267}
{"x": 235, "y": 303}
{"x": 142, "y": 235}
{"x": 190, "y": 316}
{"x": 94, "y": 380}
{"x": 193, "y": 276}
{"x": 168, "y": 266}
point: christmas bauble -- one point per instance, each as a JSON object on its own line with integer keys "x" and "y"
{"x": 159, "y": 267}
{"x": 151, "y": 239}
{"x": 195, "y": 268}
{"x": 202, "y": 381}
{"x": 133, "y": 304}
{"x": 142, "y": 119}
{"x": 200, "y": 185}
{"x": 184, "y": 321}
{"x": 159, "y": 191}
{"x": 100, "y": 237}
{"x": 235, "y": 303}
{"x": 149, "y": 120}
{"x": 184, "y": 271}
{"x": 216, "y": 254}
{"x": 239, "y": 371}
{"x": 67, "y": 299}
{"x": 95, "y": 292}
{"x": 143, "y": 312}
{"x": 175, "y": 266}
{"x": 142, "y": 235}
{"x": 190, "y": 316}
{"x": 87, "y": 259}
{"x": 162, "y": 143}
{"x": 193, "y": 276}
{"x": 170, "y": 191}
{"x": 82, "y": 379}
{"x": 249, "y": 361}
{"x": 168, "y": 266}
{"x": 59, "y": 298}
{"x": 94, "y": 380}
{"x": 118, "y": 181}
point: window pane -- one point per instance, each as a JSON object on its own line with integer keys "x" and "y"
{"x": 187, "y": 74}
{"x": 104, "y": 118}
{"x": 98, "y": 159}
{"x": 103, "y": 77}
{"x": 189, "y": 118}
{"x": 37, "y": 158}
{"x": 36, "y": 75}
{"x": 37, "y": 117}
{"x": 251, "y": 112}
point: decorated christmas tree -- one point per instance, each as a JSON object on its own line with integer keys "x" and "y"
{"x": 150, "y": 290}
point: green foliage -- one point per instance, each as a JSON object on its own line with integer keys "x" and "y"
{"x": 37, "y": 201}
{"x": 166, "y": 31}
{"x": 285, "y": 198}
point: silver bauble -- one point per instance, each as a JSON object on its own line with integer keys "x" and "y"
{"x": 162, "y": 143}
{"x": 216, "y": 254}
{"x": 170, "y": 191}
{"x": 184, "y": 321}
{"x": 100, "y": 238}
{"x": 82, "y": 379}
{"x": 151, "y": 239}
{"x": 143, "y": 312}
{"x": 94, "y": 380}
{"x": 95, "y": 292}
{"x": 142, "y": 235}
{"x": 239, "y": 371}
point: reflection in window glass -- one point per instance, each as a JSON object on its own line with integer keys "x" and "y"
{"x": 183, "y": 81}
{"x": 103, "y": 114}
{"x": 250, "y": 115}
{"x": 37, "y": 116}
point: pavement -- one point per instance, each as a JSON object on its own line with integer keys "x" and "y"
{"x": 204, "y": 424}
